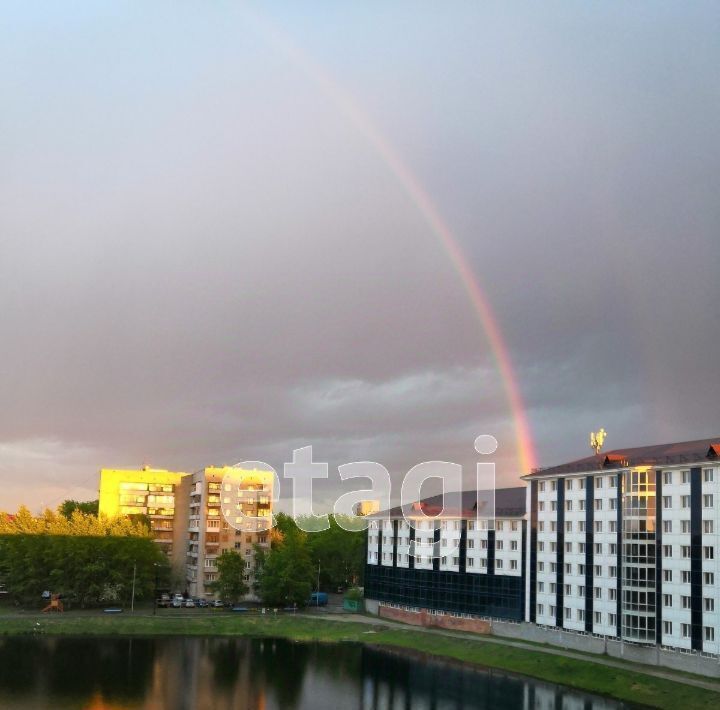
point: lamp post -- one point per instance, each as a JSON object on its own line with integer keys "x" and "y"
{"x": 132, "y": 599}
{"x": 317, "y": 598}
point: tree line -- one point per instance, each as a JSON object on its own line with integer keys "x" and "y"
{"x": 287, "y": 573}
{"x": 88, "y": 559}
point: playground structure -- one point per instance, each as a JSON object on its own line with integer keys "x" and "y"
{"x": 55, "y": 604}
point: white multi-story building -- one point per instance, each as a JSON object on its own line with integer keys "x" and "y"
{"x": 625, "y": 545}
{"x": 451, "y": 560}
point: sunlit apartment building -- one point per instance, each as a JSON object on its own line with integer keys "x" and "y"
{"x": 154, "y": 493}
{"x": 228, "y": 509}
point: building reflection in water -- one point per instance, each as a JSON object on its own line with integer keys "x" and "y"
{"x": 267, "y": 674}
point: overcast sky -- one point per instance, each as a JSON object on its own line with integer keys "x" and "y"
{"x": 203, "y": 260}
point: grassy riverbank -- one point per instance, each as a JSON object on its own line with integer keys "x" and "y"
{"x": 631, "y": 684}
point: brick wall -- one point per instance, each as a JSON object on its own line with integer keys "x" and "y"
{"x": 423, "y": 618}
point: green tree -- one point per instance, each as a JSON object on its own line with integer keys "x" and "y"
{"x": 230, "y": 584}
{"x": 88, "y": 507}
{"x": 89, "y": 560}
{"x": 284, "y": 574}
{"x": 341, "y": 554}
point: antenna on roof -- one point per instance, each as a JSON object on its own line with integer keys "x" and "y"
{"x": 597, "y": 439}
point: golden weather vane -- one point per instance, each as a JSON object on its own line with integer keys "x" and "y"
{"x": 597, "y": 439}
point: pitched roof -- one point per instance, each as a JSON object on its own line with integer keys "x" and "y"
{"x": 656, "y": 455}
{"x": 509, "y": 502}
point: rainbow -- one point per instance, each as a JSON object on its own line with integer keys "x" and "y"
{"x": 526, "y": 456}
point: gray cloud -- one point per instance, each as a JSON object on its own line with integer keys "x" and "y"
{"x": 203, "y": 261}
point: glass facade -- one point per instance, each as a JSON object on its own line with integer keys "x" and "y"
{"x": 638, "y": 556}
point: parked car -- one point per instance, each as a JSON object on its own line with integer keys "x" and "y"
{"x": 202, "y": 603}
{"x": 189, "y": 604}
{"x": 218, "y": 604}
{"x": 177, "y": 602}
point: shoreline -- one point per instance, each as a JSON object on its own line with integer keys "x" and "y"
{"x": 631, "y": 684}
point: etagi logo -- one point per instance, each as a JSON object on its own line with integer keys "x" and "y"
{"x": 250, "y": 487}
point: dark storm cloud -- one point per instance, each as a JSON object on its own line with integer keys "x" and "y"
{"x": 202, "y": 261}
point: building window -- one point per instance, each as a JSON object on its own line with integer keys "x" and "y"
{"x": 541, "y": 486}
{"x": 581, "y": 548}
{"x": 667, "y": 599}
{"x": 613, "y": 504}
{"x": 709, "y": 578}
{"x": 613, "y": 548}
{"x": 598, "y": 570}
{"x": 686, "y": 603}
{"x": 708, "y": 475}
{"x": 598, "y": 504}
{"x": 598, "y": 592}
{"x": 667, "y": 628}
{"x": 471, "y": 525}
{"x": 553, "y": 485}
{"x": 685, "y": 551}
{"x": 685, "y": 476}
{"x": 598, "y": 526}
{"x": 612, "y": 619}
{"x": 667, "y": 575}
{"x": 613, "y": 526}
{"x": 541, "y": 546}
{"x": 580, "y": 614}
{"x": 667, "y": 502}
{"x": 541, "y": 506}
{"x": 667, "y": 477}
{"x": 513, "y": 564}
{"x": 498, "y": 564}
{"x": 686, "y": 576}
{"x": 499, "y": 525}
{"x": 568, "y": 526}
{"x": 567, "y": 589}
{"x": 540, "y": 610}
{"x": 553, "y": 505}
{"x": 613, "y": 572}
{"x": 709, "y": 633}
{"x": 684, "y": 501}
{"x": 541, "y": 587}
{"x": 612, "y": 594}
{"x": 709, "y": 604}
{"x": 568, "y": 505}
{"x": 598, "y": 548}
{"x": 667, "y": 550}
{"x": 470, "y": 544}
{"x": 685, "y": 525}
{"x": 568, "y": 547}
{"x": 708, "y": 500}
{"x": 598, "y": 482}
{"x": 470, "y": 562}
{"x": 498, "y": 544}
{"x": 613, "y": 481}
{"x": 667, "y": 526}
{"x": 685, "y": 631}
{"x": 582, "y": 505}
{"x": 541, "y": 526}
{"x": 581, "y": 526}
{"x": 708, "y": 527}
{"x": 513, "y": 545}
{"x": 541, "y": 566}
{"x": 597, "y": 617}
{"x": 708, "y": 552}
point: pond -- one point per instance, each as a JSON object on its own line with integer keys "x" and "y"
{"x": 270, "y": 674}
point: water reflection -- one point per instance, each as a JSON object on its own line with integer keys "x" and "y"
{"x": 220, "y": 673}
